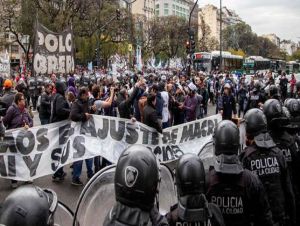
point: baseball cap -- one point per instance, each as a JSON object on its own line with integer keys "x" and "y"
{"x": 7, "y": 83}
{"x": 192, "y": 86}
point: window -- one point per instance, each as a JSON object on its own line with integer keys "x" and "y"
{"x": 166, "y": 12}
{"x": 174, "y": 6}
{"x": 157, "y": 12}
{"x": 15, "y": 49}
{"x": 157, "y": 6}
{"x": 166, "y": 5}
{"x": 6, "y": 35}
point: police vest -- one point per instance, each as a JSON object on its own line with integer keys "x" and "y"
{"x": 266, "y": 164}
{"x": 229, "y": 196}
{"x": 174, "y": 220}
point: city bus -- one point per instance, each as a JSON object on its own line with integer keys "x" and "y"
{"x": 292, "y": 67}
{"x": 255, "y": 64}
{"x": 278, "y": 65}
{"x": 207, "y": 62}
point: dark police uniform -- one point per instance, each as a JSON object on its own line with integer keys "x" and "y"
{"x": 270, "y": 166}
{"x": 213, "y": 215}
{"x": 240, "y": 197}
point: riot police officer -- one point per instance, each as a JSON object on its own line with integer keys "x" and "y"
{"x": 238, "y": 193}
{"x": 256, "y": 97}
{"x": 193, "y": 207}
{"x": 33, "y": 91}
{"x": 274, "y": 92}
{"x": 136, "y": 185}
{"x": 265, "y": 160}
{"x": 28, "y": 206}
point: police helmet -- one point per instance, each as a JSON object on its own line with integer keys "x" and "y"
{"x": 190, "y": 182}
{"x": 293, "y": 107}
{"x": 274, "y": 113}
{"x": 298, "y": 86}
{"x": 273, "y": 90}
{"x": 136, "y": 178}
{"x": 227, "y": 143}
{"x": 190, "y": 175}
{"x": 29, "y": 205}
{"x": 255, "y": 122}
{"x": 226, "y": 138}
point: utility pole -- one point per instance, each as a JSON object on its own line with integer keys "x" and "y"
{"x": 191, "y": 42}
{"x": 221, "y": 66}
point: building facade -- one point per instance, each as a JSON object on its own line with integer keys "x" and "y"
{"x": 210, "y": 15}
{"x": 180, "y": 8}
{"x": 288, "y": 46}
{"x": 144, "y": 8}
{"x": 273, "y": 38}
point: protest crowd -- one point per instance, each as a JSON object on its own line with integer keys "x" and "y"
{"x": 255, "y": 186}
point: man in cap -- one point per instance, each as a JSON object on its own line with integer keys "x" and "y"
{"x": 9, "y": 94}
{"x": 190, "y": 103}
{"x": 227, "y": 104}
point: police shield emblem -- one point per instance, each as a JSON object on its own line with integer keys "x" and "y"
{"x": 131, "y": 175}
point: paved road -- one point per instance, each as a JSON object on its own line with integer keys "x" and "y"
{"x": 67, "y": 193}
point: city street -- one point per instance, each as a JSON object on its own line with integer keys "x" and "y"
{"x": 67, "y": 193}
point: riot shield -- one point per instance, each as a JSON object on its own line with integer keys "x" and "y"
{"x": 207, "y": 155}
{"x": 98, "y": 196}
{"x": 63, "y": 215}
{"x": 167, "y": 191}
{"x": 96, "y": 199}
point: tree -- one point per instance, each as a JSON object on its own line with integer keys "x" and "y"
{"x": 240, "y": 37}
{"x": 17, "y": 18}
{"x": 295, "y": 55}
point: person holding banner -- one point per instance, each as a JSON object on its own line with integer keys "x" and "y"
{"x": 150, "y": 115}
{"x": 17, "y": 116}
{"x": 60, "y": 111}
{"x": 79, "y": 113}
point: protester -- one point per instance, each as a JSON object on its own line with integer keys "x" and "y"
{"x": 45, "y": 105}
{"x": 79, "y": 113}
{"x": 9, "y": 94}
{"x": 60, "y": 110}
{"x": 150, "y": 114}
{"x": 17, "y": 116}
{"x": 190, "y": 103}
{"x": 227, "y": 104}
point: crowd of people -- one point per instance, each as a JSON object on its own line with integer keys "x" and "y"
{"x": 255, "y": 186}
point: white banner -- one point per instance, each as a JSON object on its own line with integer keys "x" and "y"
{"x": 5, "y": 64}
{"x": 39, "y": 151}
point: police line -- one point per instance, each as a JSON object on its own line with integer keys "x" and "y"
{"x": 39, "y": 151}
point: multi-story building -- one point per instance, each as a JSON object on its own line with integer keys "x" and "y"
{"x": 179, "y": 8}
{"x": 211, "y": 16}
{"x": 288, "y": 46}
{"x": 273, "y": 38}
{"x": 144, "y": 8}
{"x": 16, "y": 53}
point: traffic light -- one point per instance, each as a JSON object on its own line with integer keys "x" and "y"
{"x": 187, "y": 46}
{"x": 96, "y": 53}
{"x": 192, "y": 41}
{"x": 118, "y": 14}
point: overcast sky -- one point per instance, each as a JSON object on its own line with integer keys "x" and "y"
{"x": 281, "y": 17}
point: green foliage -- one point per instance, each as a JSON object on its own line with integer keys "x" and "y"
{"x": 240, "y": 37}
{"x": 295, "y": 55}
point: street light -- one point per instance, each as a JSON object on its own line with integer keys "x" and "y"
{"x": 128, "y": 6}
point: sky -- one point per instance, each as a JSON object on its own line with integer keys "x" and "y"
{"x": 281, "y": 17}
